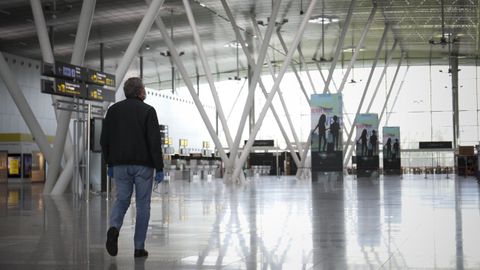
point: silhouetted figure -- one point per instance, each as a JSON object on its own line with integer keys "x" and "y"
{"x": 335, "y": 131}
{"x": 396, "y": 149}
{"x": 373, "y": 142}
{"x": 388, "y": 148}
{"x": 363, "y": 142}
{"x": 321, "y": 132}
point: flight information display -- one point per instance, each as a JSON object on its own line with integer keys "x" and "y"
{"x": 63, "y": 70}
{"x": 75, "y": 81}
{"x": 100, "y": 78}
{"x": 63, "y": 88}
{"x": 98, "y": 93}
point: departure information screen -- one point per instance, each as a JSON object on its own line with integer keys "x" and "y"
{"x": 75, "y": 81}
{"x": 63, "y": 70}
{"x": 98, "y": 93}
{"x": 63, "y": 88}
{"x": 100, "y": 78}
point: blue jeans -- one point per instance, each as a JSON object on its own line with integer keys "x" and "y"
{"x": 127, "y": 176}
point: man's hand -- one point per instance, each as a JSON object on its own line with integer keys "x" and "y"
{"x": 159, "y": 176}
{"x": 110, "y": 171}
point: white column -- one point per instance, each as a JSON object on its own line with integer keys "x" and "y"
{"x": 12, "y": 86}
{"x": 299, "y": 79}
{"x": 284, "y": 68}
{"x": 379, "y": 83}
{"x": 367, "y": 85}
{"x": 63, "y": 121}
{"x": 340, "y": 45}
{"x": 208, "y": 72}
{"x": 183, "y": 71}
{"x": 255, "y": 78}
{"x": 280, "y": 95}
{"x": 391, "y": 88}
{"x": 359, "y": 46}
{"x": 398, "y": 93}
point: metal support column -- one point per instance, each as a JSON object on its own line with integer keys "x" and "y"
{"x": 24, "y": 108}
{"x": 455, "y": 108}
{"x": 272, "y": 108}
{"x": 379, "y": 83}
{"x": 349, "y": 155}
{"x": 188, "y": 82}
{"x": 299, "y": 79}
{"x": 208, "y": 74}
{"x": 255, "y": 78}
{"x": 391, "y": 88}
{"x": 359, "y": 46}
{"x": 304, "y": 63}
{"x": 398, "y": 93}
{"x": 340, "y": 45}
{"x": 137, "y": 41}
{"x": 288, "y": 59}
{"x": 367, "y": 85}
{"x": 61, "y": 135}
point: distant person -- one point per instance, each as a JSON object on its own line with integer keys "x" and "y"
{"x": 388, "y": 148}
{"x": 335, "y": 131}
{"x": 131, "y": 146}
{"x": 373, "y": 143}
{"x": 396, "y": 149}
{"x": 322, "y": 130}
{"x": 363, "y": 142}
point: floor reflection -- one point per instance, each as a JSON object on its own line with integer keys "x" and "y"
{"x": 328, "y": 222}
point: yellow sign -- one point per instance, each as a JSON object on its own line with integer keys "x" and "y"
{"x": 14, "y": 166}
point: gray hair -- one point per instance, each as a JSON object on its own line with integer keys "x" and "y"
{"x": 132, "y": 87}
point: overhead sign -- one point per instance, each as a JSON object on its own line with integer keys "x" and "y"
{"x": 75, "y": 81}
{"x": 100, "y": 78}
{"x": 62, "y": 70}
{"x": 263, "y": 143}
{"x": 97, "y": 93}
{"x": 63, "y": 88}
{"x": 435, "y": 145}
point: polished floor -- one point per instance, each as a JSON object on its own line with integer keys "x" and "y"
{"x": 404, "y": 222}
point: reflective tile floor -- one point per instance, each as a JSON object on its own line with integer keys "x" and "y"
{"x": 270, "y": 223}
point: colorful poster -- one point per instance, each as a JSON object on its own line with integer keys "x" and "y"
{"x": 367, "y": 135}
{"x": 391, "y": 142}
{"x": 326, "y": 122}
{"x": 326, "y": 140}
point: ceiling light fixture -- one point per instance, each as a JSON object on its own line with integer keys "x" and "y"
{"x": 319, "y": 19}
{"x": 234, "y": 44}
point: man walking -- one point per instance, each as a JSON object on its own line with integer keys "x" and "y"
{"x": 131, "y": 146}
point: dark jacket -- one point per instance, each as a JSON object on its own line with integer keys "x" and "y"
{"x": 131, "y": 135}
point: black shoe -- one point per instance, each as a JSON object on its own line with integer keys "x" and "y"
{"x": 112, "y": 239}
{"x": 140, "y": 253}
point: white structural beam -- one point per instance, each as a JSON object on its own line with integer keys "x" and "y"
{"x": 63, "y": 120}
{"x": 286, "y": 63}
{"x": 301, "y": 169}
{"x": 367, "y": 85}
{"x": 299, "y": 79}
{"x": 390, "y": 53}
{"x": 188, "y": 82}
{"x": 359, "y": 46}
{"x": 208, "y": 72}
{"x": 385, "y": 68}
{"x": 340, "y": 45}
{"x": 137, "y": 40}
{"x": 304, "y": 63}
{"x": 132, "y": 49}
{"x": 391, "y": 88}
{"x": 272, "y": 108}
{"x": 398, "y": 93}
{"x": 256, "y": 76}
{"x": 14, "y": 89}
